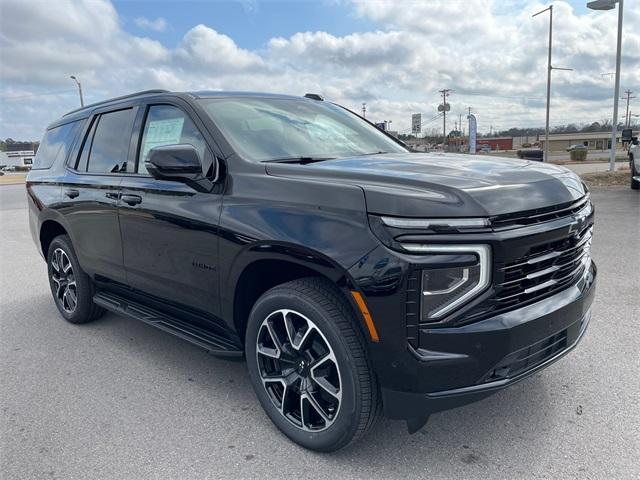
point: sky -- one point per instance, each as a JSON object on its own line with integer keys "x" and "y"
{"x": 394, "y": 55}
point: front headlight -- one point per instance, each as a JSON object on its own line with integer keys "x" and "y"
{"x": 446, "y": 288}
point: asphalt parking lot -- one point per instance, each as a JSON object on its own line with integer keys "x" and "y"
{"x": 119, "y": 399}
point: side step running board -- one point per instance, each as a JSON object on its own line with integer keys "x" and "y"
{"x": 214, "y": 343}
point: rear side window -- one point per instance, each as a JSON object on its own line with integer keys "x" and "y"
{"x": 111, "y": 142}
{"x": 86, "y": 147}
{"x": 106, "y": 147}
{"x": 56, "y": 145}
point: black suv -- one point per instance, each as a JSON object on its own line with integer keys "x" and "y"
{"x": 355, "y": 277}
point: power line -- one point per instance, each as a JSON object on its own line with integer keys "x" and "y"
{"x": 426, "y": 122}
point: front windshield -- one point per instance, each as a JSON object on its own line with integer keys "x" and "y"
{"x": 266, "y": 129}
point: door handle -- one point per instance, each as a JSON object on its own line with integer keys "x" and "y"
{"x": 71, "y": 192}
{"x": 131, "y": 199}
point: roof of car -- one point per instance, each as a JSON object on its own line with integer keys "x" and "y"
{"x": 85, "y": 110}
{"x": 219, "y": 94}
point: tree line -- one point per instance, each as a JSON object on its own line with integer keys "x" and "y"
{"x": 22, "y": 145}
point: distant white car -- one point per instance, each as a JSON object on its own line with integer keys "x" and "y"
{"x": 634, "y": 163}
{"x": 577, "y": 146}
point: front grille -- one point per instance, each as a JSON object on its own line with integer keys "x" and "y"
{"x": 527, "y": 358}
{"x": 543, "y": 271}
{"x": 580, "y": 207}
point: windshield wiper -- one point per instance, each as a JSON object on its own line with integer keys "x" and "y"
{"x": 302, "y": 160}
{"x": 380, "y": 152}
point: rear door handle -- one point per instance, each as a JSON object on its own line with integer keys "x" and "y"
{"x": 71, "y": 192}
{"x": 131, "y": 199}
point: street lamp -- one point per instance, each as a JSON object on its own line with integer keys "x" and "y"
{"x": 610, "y": 5}
{"x": 549, "y": 69}
{"x": 73, "y": 77}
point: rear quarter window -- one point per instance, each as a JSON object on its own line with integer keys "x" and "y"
{"x": 56, "y": 144}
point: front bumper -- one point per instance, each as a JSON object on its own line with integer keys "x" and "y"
{"x": 460, "y": 365}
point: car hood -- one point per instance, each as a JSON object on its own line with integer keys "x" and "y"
{"x": 443, "y": 185}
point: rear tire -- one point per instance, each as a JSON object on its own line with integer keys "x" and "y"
{"x": 635, "y": 184}
{"x": 71, "y": 287}
{"x": 305, "y": 333}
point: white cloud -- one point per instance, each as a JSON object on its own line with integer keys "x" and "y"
{"x": 492, "y": 54}
{"x": 204, "y": 48}
{"x": 157, "y": 25}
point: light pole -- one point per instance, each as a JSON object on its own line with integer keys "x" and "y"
{"x": 73, "y": 77}
{"x": 549, "y": 68}
{"x": 610, "y": 5}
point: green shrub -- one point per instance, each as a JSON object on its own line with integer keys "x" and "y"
{"x": 578, "y": 155}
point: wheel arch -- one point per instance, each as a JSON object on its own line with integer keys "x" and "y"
{"x": 265, "y": 266}
{"x": 49, "y": 229}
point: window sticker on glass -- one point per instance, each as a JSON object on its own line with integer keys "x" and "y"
{"x": 162, "y": 132}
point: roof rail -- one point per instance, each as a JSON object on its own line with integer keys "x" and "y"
{"x": 123, "y": 97}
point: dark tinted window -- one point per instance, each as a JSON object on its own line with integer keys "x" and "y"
{"x": 110, "y": 144}
{"x": 86, "y": 147}
{"x": 56, "y": 145}
{"x": 167, "y": 125}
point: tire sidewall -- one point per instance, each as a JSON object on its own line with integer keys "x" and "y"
{"x": 345, "y": 425}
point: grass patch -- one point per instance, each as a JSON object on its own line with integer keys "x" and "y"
{"x": 13, "y": 179}
{"x": 619, "y": 178}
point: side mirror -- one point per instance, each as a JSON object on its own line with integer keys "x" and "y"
{"x": 178, "y": 163}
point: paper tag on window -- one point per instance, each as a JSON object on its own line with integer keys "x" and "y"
{"x": 162, "y": 132}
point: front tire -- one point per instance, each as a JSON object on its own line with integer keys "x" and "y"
{"x": 308, "y": 365}
{"x": 635, "y": 184}
{"x": 71, "y": 287}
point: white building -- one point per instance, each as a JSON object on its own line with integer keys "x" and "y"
{"x": 20, "y": 158}
{"x": 592, "y": 140}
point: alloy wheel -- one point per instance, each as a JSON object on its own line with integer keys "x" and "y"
{"x": 64, "y": 281}
{"x": 299, "y": 370}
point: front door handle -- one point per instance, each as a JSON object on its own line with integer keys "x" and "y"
{"x": 71, "y": 192}
{"x": 131, "y": 199}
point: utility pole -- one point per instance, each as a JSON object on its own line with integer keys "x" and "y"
{"x": 364, "y": 110}
{"x": 627, "y": 118}
{"x": 546, "y": 128}
{"x": 445, "y": 94}
{"x": 549, "y": 69}
{"x": 610, "y": 5}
